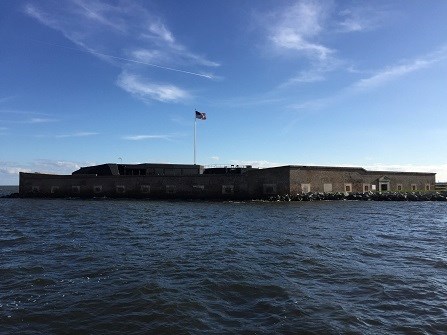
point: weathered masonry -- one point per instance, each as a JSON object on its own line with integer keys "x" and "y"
{"x": 229, "y": 182}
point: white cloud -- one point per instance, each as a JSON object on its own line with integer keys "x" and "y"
{"x": 78, "y": 134}
{"x": 375, "y": 80}
{"x": 306, "y": 77}
{"x": 103, "y": 13}
{"x": 147, "y": 137}
{"x": 40, "y": 120}
{"x": 9, "y": 171}
{"x": 151, "y": 91}
{"x": 12, "y": 170}
{"x": 55, "y": 166}
{"x": 391, "y": 73}
{"x": 297, "y": 27}
{"x": 146, "y": 55}
{"x": 21, "y": 117}
{"x": 138, "y": 39}
{"x": 160, "y": 31}
{"x": 361, "y": 18}
{"x": 215, "y": 158}
{"x": 396, "y": 71}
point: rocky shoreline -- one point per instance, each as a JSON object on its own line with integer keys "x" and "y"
{"x": 367, "y": 196}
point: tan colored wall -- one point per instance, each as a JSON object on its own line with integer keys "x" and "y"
{"x": 339, "y": 177}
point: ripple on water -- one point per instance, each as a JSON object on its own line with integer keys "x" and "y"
{"x": 141, "y": 267}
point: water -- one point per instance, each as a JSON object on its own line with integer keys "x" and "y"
{"x": 160, "y": 267}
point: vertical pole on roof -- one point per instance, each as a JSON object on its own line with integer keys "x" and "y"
{"x": 195, "y": 122}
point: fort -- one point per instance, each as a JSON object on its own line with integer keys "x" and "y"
{"x": 151, "y": 180}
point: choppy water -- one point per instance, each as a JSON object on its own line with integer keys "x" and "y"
{"x": 159, "y": 267}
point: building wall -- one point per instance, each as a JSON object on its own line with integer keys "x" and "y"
{"x": 357, "y": 179}
{"x": 198, "y": 186}
{"x": 271, "y": 181}
{"x": 249, "y": 185}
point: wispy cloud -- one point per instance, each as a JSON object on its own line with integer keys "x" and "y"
{"x": 126, "y": 35}
{"x": 147, "y": 91}
{"x": 18, "y": 116}
{"x": 305, "y": 29}
{"x": 78, "y": 134}
{"x": 13, "y": 170}
{"x": 296, "y": 28}
{"x": 393, "y": 72}
{"x": 361, "y": 18}
{"x": 40, "y": 120}
{"x": 376, "y": 79}
{"x": 56, "y": 166}
{"x": 9, "y": 171}
{"x": 148, "y": 137}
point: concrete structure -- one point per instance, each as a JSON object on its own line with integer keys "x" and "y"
{"x": 231, "y": 182}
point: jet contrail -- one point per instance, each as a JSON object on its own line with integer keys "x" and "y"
{"x": 133, "y": 61}
{"x": 149, "y": 64}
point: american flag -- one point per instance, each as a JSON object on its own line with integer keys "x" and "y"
{"x": 200, "y": 116}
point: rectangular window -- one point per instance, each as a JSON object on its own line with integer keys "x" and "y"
{"x": 427, "y": 187}
{"x": 327, "y": 188}
{"x": 373, "y": 187}
{"x": 305, "y": 188}
{"x": 227, "y": 189}
{"x": 365, "y": 188}
{"x": 414, "y": 187}
{"x": 399, "y": 187}
{"x": 348, "y": 187}
{"x": 97, "y": 189}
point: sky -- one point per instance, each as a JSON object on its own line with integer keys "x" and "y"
{"x": 332, "y": 83}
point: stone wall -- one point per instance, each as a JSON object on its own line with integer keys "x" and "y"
{"x": 271, "y": 181}
{"x": 253, "y": 184}
{"x": 356, "y": 180}
{"x": 198, "y": 186}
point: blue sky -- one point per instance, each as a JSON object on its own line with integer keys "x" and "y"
{"x": 345, "y": 83}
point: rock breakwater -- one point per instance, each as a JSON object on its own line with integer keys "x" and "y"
{"x": 367, "y": 196}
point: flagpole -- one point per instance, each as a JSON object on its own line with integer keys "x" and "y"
{"x": 195, "y": 122}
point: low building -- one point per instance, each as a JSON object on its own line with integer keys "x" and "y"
{"x": 196, "y": 181}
